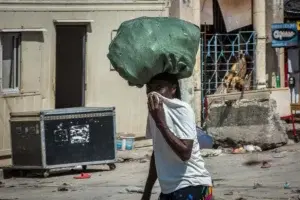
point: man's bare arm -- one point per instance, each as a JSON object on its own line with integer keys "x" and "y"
{"x": 183, "y": 148}
{"x": 152, "y": 177}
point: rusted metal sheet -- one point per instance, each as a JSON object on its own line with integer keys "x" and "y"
{"x": 206, "y": 9}
{"x": 236, "y": 13}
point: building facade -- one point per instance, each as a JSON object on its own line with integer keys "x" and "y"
{"x": 53, "y": 55}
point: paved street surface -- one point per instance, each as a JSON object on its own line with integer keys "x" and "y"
{"x": 232, "y": 179}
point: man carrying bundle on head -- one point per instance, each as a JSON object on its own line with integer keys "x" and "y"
{"x": 161, "y": 51}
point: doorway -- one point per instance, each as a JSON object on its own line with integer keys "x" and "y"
{"x": 70, "y": 66}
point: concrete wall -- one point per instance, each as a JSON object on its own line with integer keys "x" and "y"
{"x": 104, "y": 87}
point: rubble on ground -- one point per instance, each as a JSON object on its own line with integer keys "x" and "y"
{"x": 210, "y": 152}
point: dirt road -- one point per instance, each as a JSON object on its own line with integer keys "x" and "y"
{"x": 232, "y": 179}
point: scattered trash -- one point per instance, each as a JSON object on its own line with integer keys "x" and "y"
{"x": 239, "y": 150}
{"x": 249, "y": 148}
{"x": 229, "y": 193}
{"x": 125, "y": 142}
{"x": 257, "y": 185}
{"x": 257, "y": 148}
{"x": 134, "y": 190}
{"x": 245, "y": 149}
{"x": 83, "y": 176}
{"x": 252, "y": 148}
{"x": 63, "y": 188}
{"x": 265, "y": 164}
{"x": 286, "y": 185}
{"x": 210, "y": 152}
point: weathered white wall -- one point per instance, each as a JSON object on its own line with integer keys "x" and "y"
{"x": 104, "y": 87}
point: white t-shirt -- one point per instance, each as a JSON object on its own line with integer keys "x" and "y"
{"x": 172, "y": 172}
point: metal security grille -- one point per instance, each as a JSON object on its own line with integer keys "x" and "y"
{"x": 219, "y": 52}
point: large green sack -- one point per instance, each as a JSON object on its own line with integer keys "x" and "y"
{"x": 147, "y": 46}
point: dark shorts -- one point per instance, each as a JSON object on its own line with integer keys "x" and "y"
{"x": 189, "y": 193}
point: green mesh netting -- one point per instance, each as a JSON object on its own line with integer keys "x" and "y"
{"x": 147, "y": 46}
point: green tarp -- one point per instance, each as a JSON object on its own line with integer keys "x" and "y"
{"x": 147, "y": 46}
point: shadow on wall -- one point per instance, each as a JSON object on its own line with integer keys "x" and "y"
{"x": 33, "y": 37}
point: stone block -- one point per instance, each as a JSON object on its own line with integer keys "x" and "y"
{"x": 243, "y": 122}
